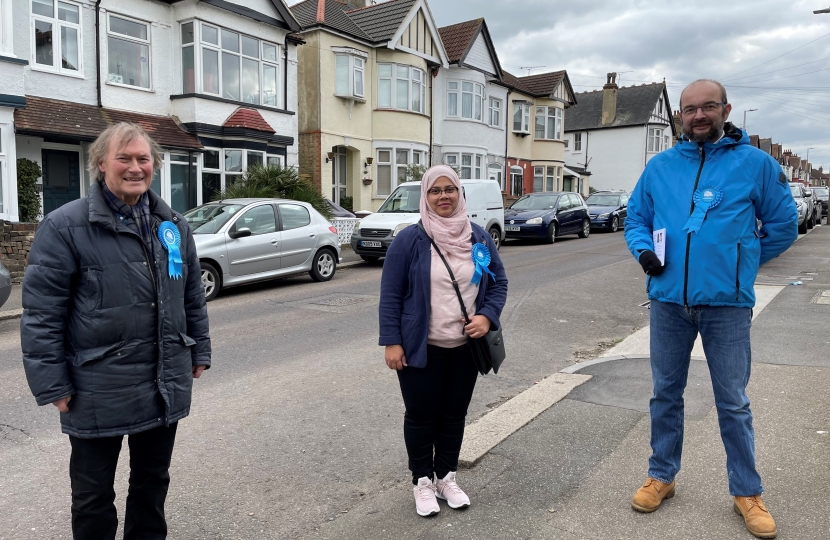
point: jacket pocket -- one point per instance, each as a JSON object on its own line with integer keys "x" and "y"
{"x": 187, "y": 341}
{"x": 88, "y": 355}
{"x": 738, "y": 274}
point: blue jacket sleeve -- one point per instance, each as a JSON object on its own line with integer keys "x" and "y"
{"x": 394, "y": 283}
{"x": 47, "y": 288}
{"x": 776, "y": 209}
{"x": 639, "y": 223}
{"x": 496, "y": 294}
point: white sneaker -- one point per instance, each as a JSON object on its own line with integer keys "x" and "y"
{"x": 448, "y": 490}
{"x": 425, "y": 502}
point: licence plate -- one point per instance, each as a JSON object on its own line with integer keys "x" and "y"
{"x": 369, "y": 243}
{"x": 512, "y": 229}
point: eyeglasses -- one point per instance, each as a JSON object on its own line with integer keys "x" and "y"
{"x": 449, "y": 190}
{"x": 709, "y": 107}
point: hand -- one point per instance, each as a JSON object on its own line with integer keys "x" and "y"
{"x": 62, "y": 404}
{"x": 651, "y": 263}
{"x": 478, "y": 327}
{"x": 395, "y": 358}
{"x": 197, "y": 371}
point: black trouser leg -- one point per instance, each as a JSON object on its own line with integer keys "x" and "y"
{"x": 150, "y": 454}
{"x": 436, "y": 399}
{"x": 92, "y": 475}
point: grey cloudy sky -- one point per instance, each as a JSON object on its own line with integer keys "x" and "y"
{"x": 680, "y": 41}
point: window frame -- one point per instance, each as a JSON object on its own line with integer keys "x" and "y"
{"x": 130, "y": 39}
{"x": 393, "y": 87}
{"x": 199, "y": 45}
{"x": 577, "y": 143}
{"x": 499, "y": 170}
{"x": 57, "y": 24}
{"x": 494, "y": 107}
{"x": 550, "y": 112}
{"x": 352, "y": 70}
{"x": 655, "y": 140}
{"x": 525, "y": 121}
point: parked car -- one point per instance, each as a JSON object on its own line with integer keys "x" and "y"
{"x": 822, "y": 194}
{"x": 608, "y": 209}
{"x": 375, "y": 232}
{"x": 546, "y": 216}
{"x": 5, "y": 284}
{"x": 804, "y": 204}
{"x": 246, "y": 240}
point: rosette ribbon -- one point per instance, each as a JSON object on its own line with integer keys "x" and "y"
{"x": 481, "y": 259}
{"x": 171, "y": 240}
{"x": 705, "y": 199}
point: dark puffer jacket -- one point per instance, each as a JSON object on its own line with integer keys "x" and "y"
{"x": 104, "y": 322}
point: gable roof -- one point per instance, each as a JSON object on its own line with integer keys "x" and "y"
{"x": 381, "y": 21}
{"x": 376, "y": 23}
{"x": 635, "y": 105}
{"x": 248, "y": 118}
{"x": 543, "y": 84}
{"x": 328, "y": 13}
{"x": 458, "y": 40}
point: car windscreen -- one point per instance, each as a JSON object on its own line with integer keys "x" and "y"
{"x": 603, "y": 200}
{"x": 796, "y": 191}
{"x": 209, "y": 218}
{"x": 821, "y": 192}
{"x": 537, "y": 202}
{"x": 404, "y": 200}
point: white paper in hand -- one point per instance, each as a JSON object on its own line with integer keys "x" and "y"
{"x": 660, "y": 245}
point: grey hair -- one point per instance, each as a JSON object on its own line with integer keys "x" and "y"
{"x": 716, "y": 83}
{"x": 122, "y": 133}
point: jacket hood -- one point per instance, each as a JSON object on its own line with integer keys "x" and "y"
{"x": 732, "y": 136}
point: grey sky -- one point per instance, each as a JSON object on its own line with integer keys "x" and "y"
{"x": 679, "y": 41}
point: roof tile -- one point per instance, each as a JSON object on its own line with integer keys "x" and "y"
{"x": 457, "y": 38}
{"x": 248, "y": 118}
{"x": 634, "y": 107}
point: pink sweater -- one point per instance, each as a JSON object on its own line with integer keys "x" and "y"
{"x": 445, "y": 317}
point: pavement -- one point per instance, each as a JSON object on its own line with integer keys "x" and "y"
{"x": 570, "y": 472}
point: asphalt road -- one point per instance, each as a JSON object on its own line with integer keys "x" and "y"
{"x": 299, "y": 420}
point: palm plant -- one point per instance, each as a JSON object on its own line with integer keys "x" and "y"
{"x": 276, "y": 182}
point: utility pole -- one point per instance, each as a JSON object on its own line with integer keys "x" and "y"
{"x": 743, "y": 126}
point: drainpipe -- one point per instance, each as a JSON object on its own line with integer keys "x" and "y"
{"x": 285, "y": 80}
{"x": 507, "y": 116}
{"x": 98, "y": 50}
{"x": 433, "y": 74}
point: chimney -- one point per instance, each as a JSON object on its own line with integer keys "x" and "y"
{"x": 609, "y": 100}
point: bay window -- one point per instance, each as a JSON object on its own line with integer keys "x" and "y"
{"x": 57, "y": 36}
{"x": 401, "y": 87}
{"x": 521, "y": 117}
{"x": 548, "y": 123}
{"x": 128, "y": 52}
{"x": 348, "y": 80}
{"x": 538, "y": 179}
{"x": 471, "y": 96}
{"x": 469, "y": 166}
{"x": 222, "y": 168}
{"x": 229, "y": 64}
{"x": 466, "y": 166}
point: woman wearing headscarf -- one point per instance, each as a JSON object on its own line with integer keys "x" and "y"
{"x": 426, "y": 335}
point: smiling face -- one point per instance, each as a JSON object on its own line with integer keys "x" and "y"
{"x": 443, "y": 203}
{"x": 128, "y": 171}
{"x": 703, "y": 126}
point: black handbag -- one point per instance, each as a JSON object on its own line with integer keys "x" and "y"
{"x": 488, "y": 351}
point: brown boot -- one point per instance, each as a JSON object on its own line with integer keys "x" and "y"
{"x": 756, "y": 516}
{"x": 649, "y": 497}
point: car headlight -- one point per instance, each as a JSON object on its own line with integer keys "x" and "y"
{"x": 399, "y": 228}
{"x": 604, "y": 216}
{"x": 356, "y": 230}
{"x": 534, "y": 221}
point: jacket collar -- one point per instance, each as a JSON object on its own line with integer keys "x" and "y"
{"x": 100, "y": 213}
{"x": 732, "y": 137}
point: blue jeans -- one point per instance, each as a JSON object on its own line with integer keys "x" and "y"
{"x": 725, "y": 335}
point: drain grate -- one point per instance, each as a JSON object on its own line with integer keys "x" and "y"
{"x": 342, "y": 301}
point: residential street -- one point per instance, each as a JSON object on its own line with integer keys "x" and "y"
{"x": 296, "y": 430}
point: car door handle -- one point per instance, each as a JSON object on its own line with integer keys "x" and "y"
{"x": 474, "y": 215}
{"x": 312, "y": 235}
{"x": 275, "y": 242}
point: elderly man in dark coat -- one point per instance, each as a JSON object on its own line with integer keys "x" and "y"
{"x": 114, "y": 330}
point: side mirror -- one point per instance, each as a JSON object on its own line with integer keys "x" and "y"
{"x": 241, "y": 233}
{"x": 808, "y": 193}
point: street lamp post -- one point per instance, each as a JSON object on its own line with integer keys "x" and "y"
{"x": 743, "y": 126}
{"x": 807, "y": 159}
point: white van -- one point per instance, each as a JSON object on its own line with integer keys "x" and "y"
{"x": 373, "y": 235}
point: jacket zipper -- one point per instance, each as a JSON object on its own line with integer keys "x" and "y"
{"x": 738, "y": 275}
{"x": 648, "y": 284}
{"x": 702, "y": 155}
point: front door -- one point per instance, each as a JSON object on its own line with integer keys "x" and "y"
{"x": 61, "y": 178}
{"x": 339, "y": 178}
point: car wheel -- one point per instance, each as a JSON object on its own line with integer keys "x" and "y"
{"x": 811, "y": 221}
{"x": 551, "y": 236}
{"x": 495, "y": 234}
{"x": 586, "y": 229}
{"x": 324, "y": 266}
{"x": 367, "y": 258}
{"x": 802, "y": 228}
{"x": 210, "y": 281}
{"x": 615, "y": 224}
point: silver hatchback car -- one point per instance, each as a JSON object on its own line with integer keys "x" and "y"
{"x": 245, "y": 240}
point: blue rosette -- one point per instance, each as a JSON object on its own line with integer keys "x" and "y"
{"x": 171, "y": 240}
{"x": 705, "y": 199}
{"x": 481, "y": 259}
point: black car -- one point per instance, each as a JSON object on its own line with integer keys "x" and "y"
{"x": 608, "y": 209}
{"x": 546, "y": 215}
{"x": 822, "y": 195}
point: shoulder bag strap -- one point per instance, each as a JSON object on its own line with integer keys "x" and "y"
{"x": 452, "y": 276}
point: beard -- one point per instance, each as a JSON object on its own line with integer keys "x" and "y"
{"x": 710, "y": 136}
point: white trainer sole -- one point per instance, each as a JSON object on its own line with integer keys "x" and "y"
{"x": 463, "y": 505}
{"x": 427, "y": 514}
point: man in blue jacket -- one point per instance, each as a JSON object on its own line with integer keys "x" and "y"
{"x": 706, "y": 194}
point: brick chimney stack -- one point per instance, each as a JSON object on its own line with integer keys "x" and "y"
{"x": 609, "y": 100}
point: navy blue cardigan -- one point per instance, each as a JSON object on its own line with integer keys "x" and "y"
{"x": 405, "y": 295}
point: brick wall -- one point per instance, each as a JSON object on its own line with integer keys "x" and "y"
{"x": 15, "y": 243}
{"x": 310, "y": 157}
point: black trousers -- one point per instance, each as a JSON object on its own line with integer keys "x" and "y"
{"x": 436, "y": 399}
{"x": 92, "y": 472}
